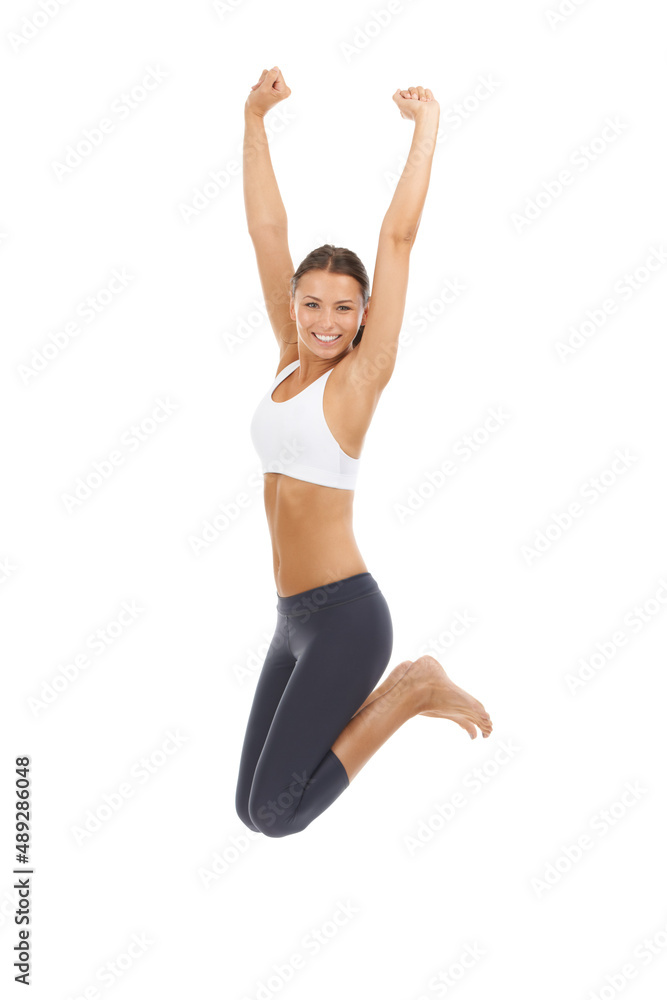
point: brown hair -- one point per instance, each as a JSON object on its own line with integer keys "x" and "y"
{"x": 337, "y": 260}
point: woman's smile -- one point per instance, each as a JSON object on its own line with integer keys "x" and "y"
{"x": 327, "y": 338}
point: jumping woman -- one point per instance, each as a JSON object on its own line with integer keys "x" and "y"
{"x": 316, "y": 716}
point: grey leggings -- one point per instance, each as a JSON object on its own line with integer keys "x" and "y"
{"x": 330, "y": 648}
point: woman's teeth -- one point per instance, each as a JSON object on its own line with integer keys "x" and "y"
{"x": 326, "y": 340}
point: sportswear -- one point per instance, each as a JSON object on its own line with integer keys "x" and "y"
{"x": 293, "y": 437}
{"x": 330, "y": 648}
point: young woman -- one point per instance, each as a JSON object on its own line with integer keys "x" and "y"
{"x": 316, "y": 718}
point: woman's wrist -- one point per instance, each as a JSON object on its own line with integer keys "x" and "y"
{"x": 252, "y": 116}
{"x": 429, "y": 115}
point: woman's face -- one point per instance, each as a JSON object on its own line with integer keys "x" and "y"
{"x": 330, "y": 305}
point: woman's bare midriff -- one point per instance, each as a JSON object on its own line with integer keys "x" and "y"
{"x": 311, "y": 534}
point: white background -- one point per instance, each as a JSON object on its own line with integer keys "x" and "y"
{"x": 187, "y": 328}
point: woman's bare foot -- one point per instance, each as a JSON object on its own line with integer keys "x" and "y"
{"x": 391, "y": 681}
{"x": 442, "y": 699}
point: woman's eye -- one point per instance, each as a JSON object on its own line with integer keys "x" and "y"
{"x": 340, "y": 307}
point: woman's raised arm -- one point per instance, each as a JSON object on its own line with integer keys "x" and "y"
{"x": 263, "y": 204}
{"x": 404, "y": 213}
{"x": 265, "y": 212}
{"x": 376, "y": 353}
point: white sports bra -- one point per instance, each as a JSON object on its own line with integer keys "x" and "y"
{"x": 293, "y": 437}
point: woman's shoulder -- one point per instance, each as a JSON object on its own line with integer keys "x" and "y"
{"x": 356, "y": 377}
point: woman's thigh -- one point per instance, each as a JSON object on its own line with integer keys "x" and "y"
{"x": 274, "y": 676}
{"x": 341, "y": 653}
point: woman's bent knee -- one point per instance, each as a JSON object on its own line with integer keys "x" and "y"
{"x": 274, "y": 817}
